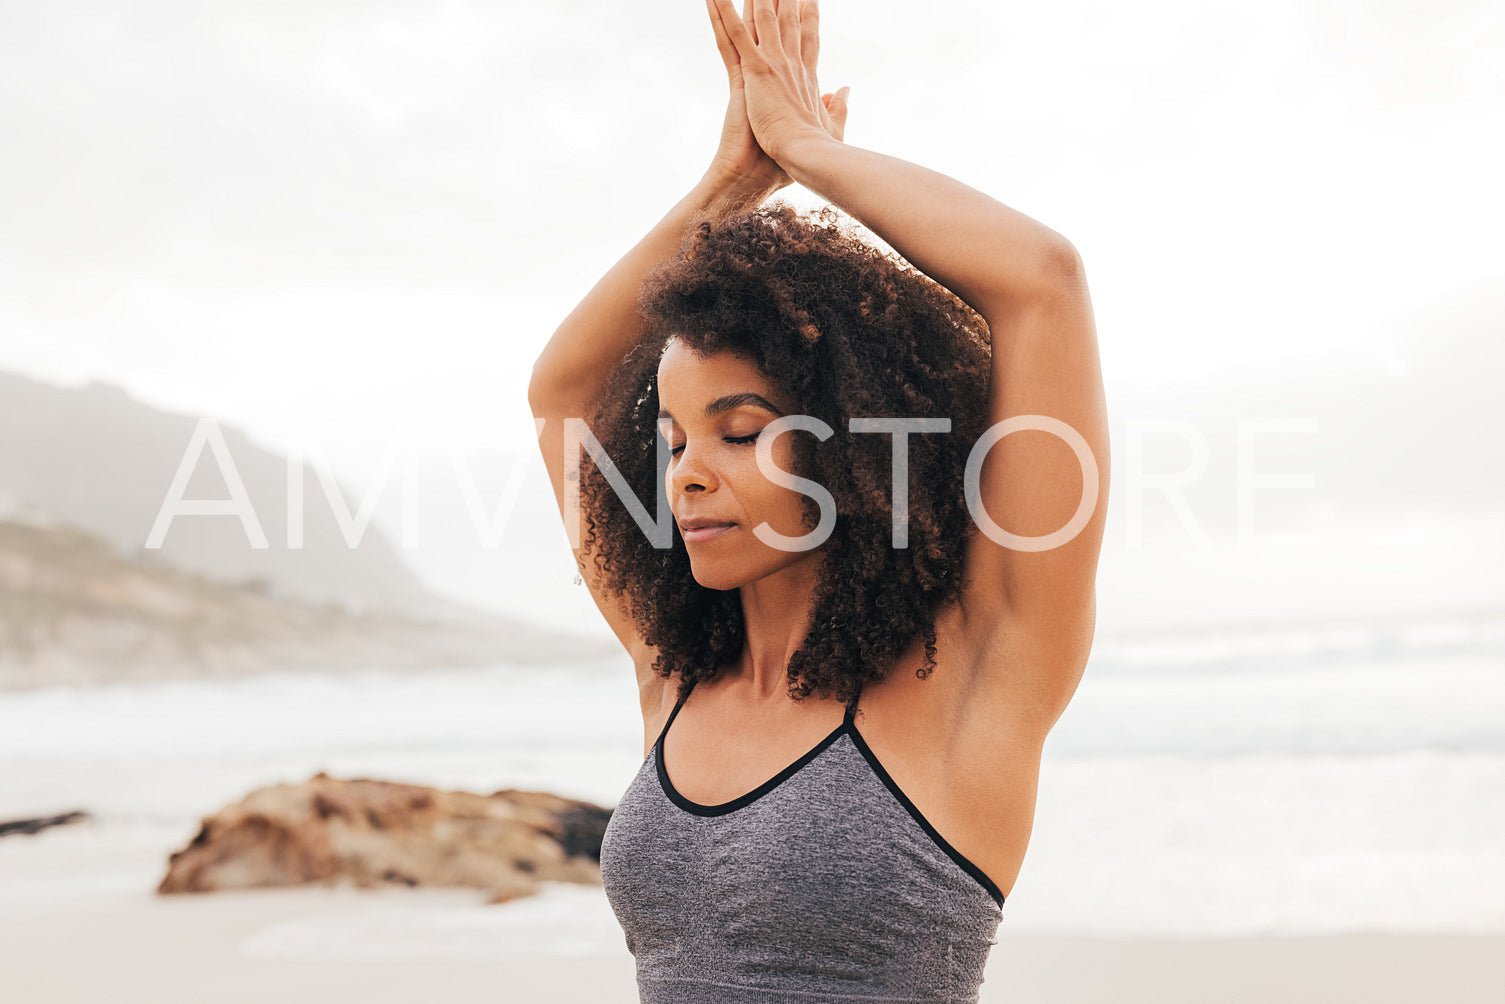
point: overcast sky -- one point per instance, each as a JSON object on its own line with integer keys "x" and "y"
{"x": 346, "y": 223}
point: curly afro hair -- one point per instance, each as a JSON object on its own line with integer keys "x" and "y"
{"x": 846, "y": 330}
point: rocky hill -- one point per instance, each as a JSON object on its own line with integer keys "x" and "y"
{"x": 73, "y": 610}
{"x": 97, "y": 458}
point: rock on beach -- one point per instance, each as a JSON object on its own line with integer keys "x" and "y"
{"x": 370, "y": 833}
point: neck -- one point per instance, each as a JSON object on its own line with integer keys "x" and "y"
{"x": 776, "y": 612}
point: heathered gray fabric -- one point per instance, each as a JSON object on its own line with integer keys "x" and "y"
{"x": 822, "y": 884}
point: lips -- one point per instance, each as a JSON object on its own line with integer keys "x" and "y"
{"x": 702, "y": 522}
{"x": 702, "y": 528}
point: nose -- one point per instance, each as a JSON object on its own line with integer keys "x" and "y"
{"x": 690, "y": 473}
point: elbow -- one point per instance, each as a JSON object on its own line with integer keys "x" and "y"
{"x": 1061, "y": 256}
{"x": 536, "y": 392}
{"x": 552, "y": 391}
{"x": 1057, "y": 267}
{"x": 543, "y": 388}
{"x": 1050, "y": 270}
{"x": 546, "y": 382}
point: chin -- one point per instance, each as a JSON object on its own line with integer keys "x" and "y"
{"x": 726, "y": 571}
{"x": 716, "y": 577}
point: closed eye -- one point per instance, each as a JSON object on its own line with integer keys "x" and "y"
{"x": 674, "y": 451}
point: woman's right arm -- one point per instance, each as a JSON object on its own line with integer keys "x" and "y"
{"x": 595, "y": 336}
{"x": 590, "y": 344}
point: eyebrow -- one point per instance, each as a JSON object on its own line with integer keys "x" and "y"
{"x": 730, "y": 402}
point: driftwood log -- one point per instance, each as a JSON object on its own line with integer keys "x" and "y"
{"x": 375, "y": 833}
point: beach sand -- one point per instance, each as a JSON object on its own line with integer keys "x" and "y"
{"x": 390, "y": 946}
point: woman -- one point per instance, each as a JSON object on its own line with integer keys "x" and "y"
{"x": 859, "y": 684}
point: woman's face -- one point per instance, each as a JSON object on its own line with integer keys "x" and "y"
{"x": 712, "y": 410}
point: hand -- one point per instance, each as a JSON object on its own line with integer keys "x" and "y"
{"x": 742, "y": 158}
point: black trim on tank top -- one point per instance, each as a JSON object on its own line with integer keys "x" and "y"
{"x": 849, "y": 726}
{"x": 741, "y": 801}
{"x": 919, "y": 817}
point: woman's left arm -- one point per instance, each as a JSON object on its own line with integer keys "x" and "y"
{"x": 1051, "y": 483}
{"x": 1028, "y": 283}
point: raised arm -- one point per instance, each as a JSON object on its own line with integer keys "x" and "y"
{"x": 591, "y": 341}
{"x": 1028, "y": 283}
{"x": 605, "y": 325}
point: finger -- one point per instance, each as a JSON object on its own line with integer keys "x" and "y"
{"x": 810, "y": 36}
{"x": 788, "y": 12}
{"x": 838, "y": 111}
{"x": 766, "y": 17}
{"x": 736, "y": 30}
{"x": 749, "y": 20}
{"x": 723, "y": 41}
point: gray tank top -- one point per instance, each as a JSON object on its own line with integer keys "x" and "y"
{"x": 824, "y": 882}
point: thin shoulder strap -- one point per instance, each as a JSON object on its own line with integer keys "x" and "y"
{"x": 852, "y": 706}
{"x": 677, "y": 705}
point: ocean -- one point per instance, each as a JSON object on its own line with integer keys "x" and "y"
{"x": 1338, "y": 779}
